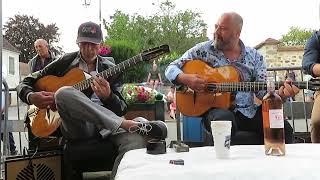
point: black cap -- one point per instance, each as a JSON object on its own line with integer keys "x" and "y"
{"x": 89, "y": 32}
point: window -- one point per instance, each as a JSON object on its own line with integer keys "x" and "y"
{"x": 11, "y": 65}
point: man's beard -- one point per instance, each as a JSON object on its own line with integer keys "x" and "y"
{"x": 222, "y": 44}
{"x": 218, "y": 44}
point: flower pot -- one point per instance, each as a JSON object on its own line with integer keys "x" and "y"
{"x": 154, "y": 111}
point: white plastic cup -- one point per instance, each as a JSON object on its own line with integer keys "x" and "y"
{"x": 221, "y": 132}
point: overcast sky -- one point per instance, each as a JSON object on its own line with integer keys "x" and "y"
{"x": 262, "y": 18}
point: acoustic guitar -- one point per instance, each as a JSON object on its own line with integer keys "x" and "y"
{"x": 221, "y": 82}
{"x": 44, "y": 122}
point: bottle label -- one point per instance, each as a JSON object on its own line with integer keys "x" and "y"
{"x": 276, "y": 118}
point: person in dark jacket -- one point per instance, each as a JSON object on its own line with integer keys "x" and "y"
{"x": 43, "y": 57}
{"x": 311, "y": 65}
{"x": 98, "y": 114}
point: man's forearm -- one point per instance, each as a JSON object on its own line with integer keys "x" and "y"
{"x": 181, "y": 79}
{"x": 28, "y": 97}
{"x": 24, "y": 92}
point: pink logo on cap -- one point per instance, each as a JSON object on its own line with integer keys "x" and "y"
{"x": 88, "y": 29}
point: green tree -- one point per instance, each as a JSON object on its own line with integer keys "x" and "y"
{"x": 179, "y": 29}
{"x": 296, "y": 36}
{"x": 22, "y": 30}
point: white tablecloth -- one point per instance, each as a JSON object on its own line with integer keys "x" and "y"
{"x": 301, "y": 162}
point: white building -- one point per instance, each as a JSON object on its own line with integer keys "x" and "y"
{"x": 10, "y": 67}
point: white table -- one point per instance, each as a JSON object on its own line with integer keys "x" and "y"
{"x": 246, "y": 163}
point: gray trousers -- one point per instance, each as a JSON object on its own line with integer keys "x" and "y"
{"x": 83, "y": 119}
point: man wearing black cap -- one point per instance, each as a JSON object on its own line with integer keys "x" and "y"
{"x": 98, "y": 115}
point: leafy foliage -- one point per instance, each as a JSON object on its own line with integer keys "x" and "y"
{"x": 179, "y": 29}
{"x": 123, "y": 50}
{"x": 296, "y": 36}
{"x": 22, "y": 31}
{"x": 167, "y": 59}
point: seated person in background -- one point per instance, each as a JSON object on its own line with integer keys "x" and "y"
{"x": 154, "y": 76}
{"x": 171, "y": 102}
{"x": 226, "y": 48}
{"x": 95, "y": 115}
{"x": 311, "y": 65}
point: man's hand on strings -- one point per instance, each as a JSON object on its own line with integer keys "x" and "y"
{"x": 101, "y": 87}
{"x": 193, "y": 81}
{"x": 288, "y": 89}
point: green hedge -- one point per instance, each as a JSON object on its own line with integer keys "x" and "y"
{"x": 123, "y": 50}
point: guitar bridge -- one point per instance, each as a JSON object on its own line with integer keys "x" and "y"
{"x": 194, "y": 97}
{"x": 48, "y": 112}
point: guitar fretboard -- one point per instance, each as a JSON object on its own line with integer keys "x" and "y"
{"x": 250, "y": 86}
{"x": 82, "y": 85}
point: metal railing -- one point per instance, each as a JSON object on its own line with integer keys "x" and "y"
{"x": 306, "y": 114}
{"x": 12, "y": 125}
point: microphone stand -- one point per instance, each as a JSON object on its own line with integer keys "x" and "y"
{"x": 179, "y": 146}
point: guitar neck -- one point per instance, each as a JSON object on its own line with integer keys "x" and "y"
{"x": 85, "y": 84}
{"x": 250, "y": 86}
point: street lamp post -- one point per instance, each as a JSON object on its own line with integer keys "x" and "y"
{"x": 1, "y": 45}
{"x": 100, "y": 13}
{"x": 88, "y": 2}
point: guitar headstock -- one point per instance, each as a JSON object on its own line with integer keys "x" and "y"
{"x": 154, "y": 52}
{"x": 314, "y": 84}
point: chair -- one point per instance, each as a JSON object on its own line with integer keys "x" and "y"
{"x": 88, "y": 156}
{"x": 78, "y": 156}
{"x": 240, "y": 138}
{"x": 246, "y": 138}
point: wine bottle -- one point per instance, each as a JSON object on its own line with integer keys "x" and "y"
{"x": 273, "y": 124}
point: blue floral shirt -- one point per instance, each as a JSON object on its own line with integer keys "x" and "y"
{"x": 250, "y": 63}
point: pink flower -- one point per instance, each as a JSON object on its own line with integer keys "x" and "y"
{"x": 139, "y": 94}
{"x": 104, "y": 50}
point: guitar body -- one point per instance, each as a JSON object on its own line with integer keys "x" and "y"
{"x": 44, "y": 122}
{"x": 192, "y": 103}
{"x": 53, "y": 83}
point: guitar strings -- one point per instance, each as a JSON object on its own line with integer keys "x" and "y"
{"x": 82, "y": 85}
{"x": 250, "y": 86}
